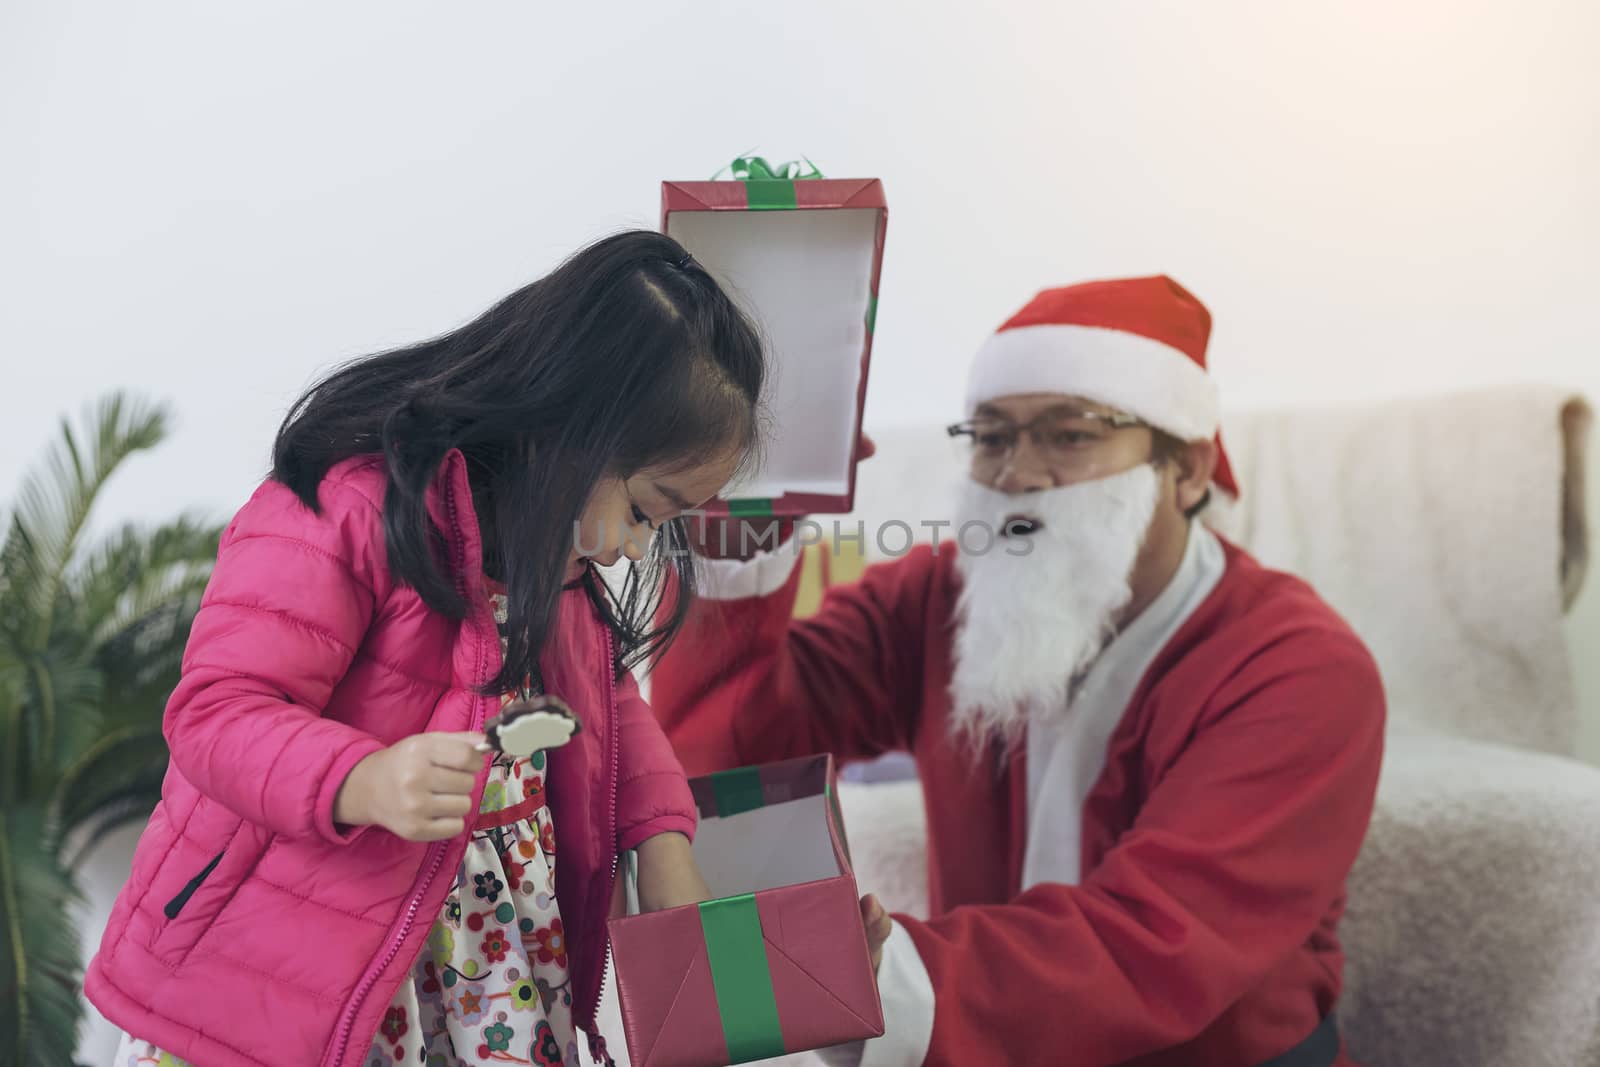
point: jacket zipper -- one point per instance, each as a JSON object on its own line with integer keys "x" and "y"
{"x": 341, "y": 1041}
{"x": 436, "y": 854}
{"x": 614, "y": 743}
{"x": 175, "y": 905}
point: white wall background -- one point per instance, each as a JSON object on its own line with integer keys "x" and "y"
{"x": 213, "y": 202}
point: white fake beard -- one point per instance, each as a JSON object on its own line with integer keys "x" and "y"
{"x": 1036, "y": 609}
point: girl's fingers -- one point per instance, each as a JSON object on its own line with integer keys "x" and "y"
{"x": 446, "y": 782}
{"x": 441, "y": 829}
{"x": 449, "y": 807}
{"x": 457, "y": 752}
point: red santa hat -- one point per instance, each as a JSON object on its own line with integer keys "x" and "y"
{"x": 1134, "y": 344}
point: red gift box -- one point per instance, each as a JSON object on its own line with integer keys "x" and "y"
{"x": 802, "y": 258}
{"x": 778, "y": 962}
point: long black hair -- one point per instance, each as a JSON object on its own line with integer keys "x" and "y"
{"x": 627, "y": 356}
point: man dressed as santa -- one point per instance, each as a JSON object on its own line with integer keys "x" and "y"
{"x": 1148, "y": 762}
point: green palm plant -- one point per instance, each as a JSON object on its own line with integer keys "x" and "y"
{"x": 91, "y": 638}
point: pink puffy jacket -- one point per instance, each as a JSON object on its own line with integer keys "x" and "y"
{"x": 255, "y": 931}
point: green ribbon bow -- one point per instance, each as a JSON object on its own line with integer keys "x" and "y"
{"x": 757, "y": 169}
{"x": 768, "y": 187}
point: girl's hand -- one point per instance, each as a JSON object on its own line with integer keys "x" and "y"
{"x": 419, "y": 789}
{"x": 668, "y": 874}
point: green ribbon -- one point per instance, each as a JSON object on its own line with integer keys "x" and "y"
{"x": 737, "y": 791}
{"x": 738, "y": 955}
{"x": 750, "y": 507}
{"x": 757, "y": 169}
{"x": 768, "y": 187}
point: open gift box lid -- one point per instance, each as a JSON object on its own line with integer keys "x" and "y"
{"x": 802, "y": 259}
{"x": 778, "y": 961}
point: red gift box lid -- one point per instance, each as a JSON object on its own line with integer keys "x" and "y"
{"x": 803, "y": 259}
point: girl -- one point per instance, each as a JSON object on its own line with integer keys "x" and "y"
{"x": 336, "y": 875}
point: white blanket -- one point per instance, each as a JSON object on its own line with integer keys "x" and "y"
{"x": 1434, "y": 526}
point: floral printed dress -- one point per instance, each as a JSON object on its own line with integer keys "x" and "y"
{"x": 492, "y": 986}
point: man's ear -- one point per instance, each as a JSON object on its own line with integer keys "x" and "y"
{"x": 1194, "y": 463}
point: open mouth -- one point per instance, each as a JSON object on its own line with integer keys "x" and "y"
{"x": 1020, "y": 526}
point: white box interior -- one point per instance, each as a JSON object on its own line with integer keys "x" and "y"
{"x": 805, "y": 277}
{"x": 767, "y": 848}
{"x": 778, "y": 845}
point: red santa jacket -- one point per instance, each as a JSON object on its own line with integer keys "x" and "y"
{"x": 1233, "y": 799}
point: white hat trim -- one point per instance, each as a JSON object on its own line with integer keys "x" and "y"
{"x": 1143, "y": 377}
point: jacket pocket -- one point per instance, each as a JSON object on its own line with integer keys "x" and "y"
{"x": 189, "y": 907}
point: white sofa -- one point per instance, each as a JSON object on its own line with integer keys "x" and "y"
{"x": 1450, "y": 532}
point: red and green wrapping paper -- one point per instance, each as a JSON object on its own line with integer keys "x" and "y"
{"x": 777, "y": 969}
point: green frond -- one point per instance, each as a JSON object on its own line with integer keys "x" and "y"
{"x": 136, "y": 572}
{"x": 13, "y": 726}
{"x": 90, "y": 647}
{"x": 53, "y": 506}
{"x": 142, "y": 666}
{"x": 132, "y": 807}
{"x": 62, "y": 714}
{"x": 40, "y": 955}
{"x": 124, "y": 767}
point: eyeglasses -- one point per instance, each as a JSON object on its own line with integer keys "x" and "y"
{"x": 1064, "y": 438}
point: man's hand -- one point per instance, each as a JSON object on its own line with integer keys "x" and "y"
{"x": 419, "y": 789}
{"x": 726, "y": 537}
{"x": 668, "y": 874}
{"x": 878, "y": 926}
